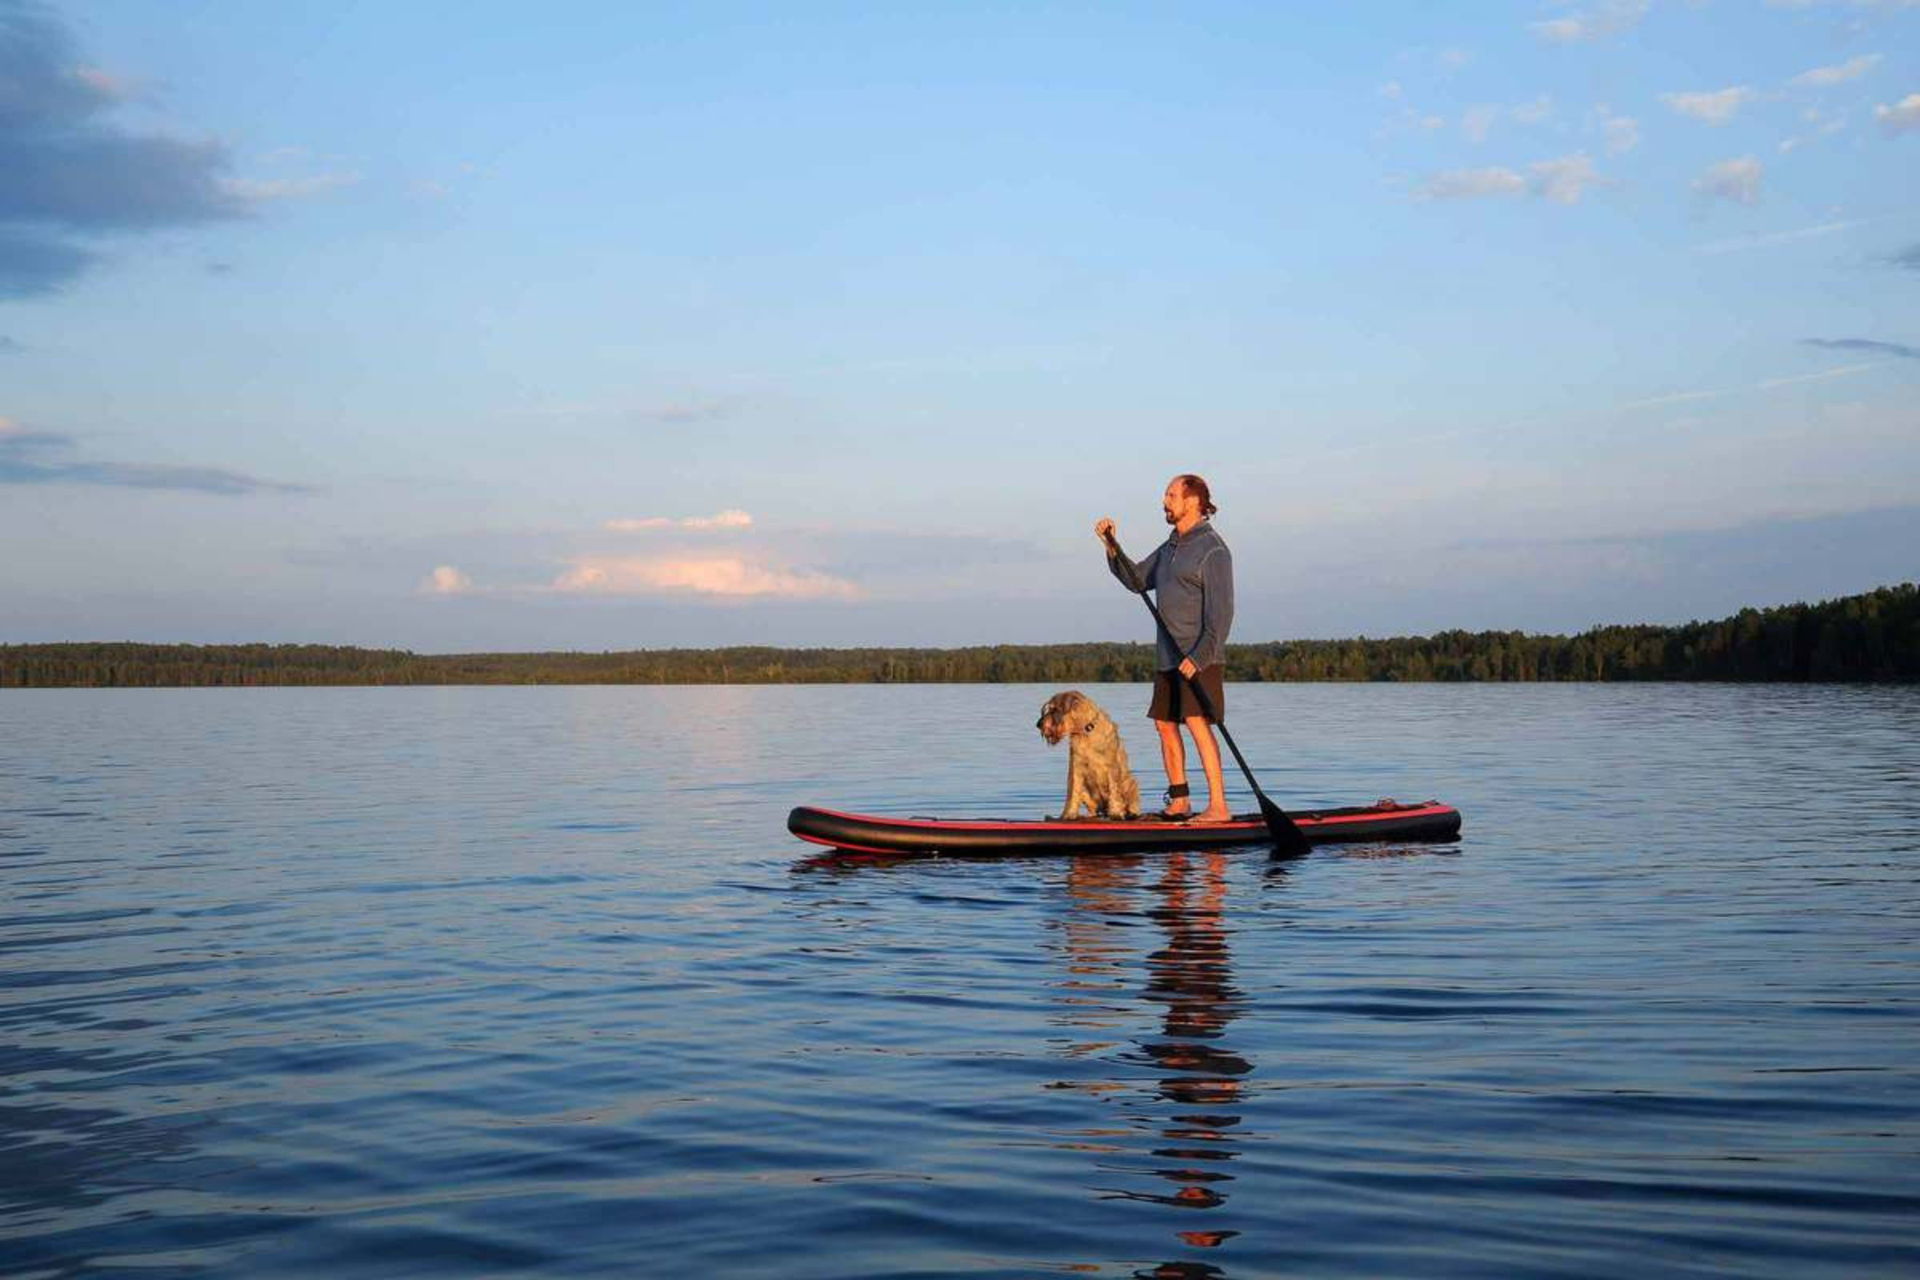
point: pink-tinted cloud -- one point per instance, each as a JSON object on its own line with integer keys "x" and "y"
{"x": 446, "y": 580}
{"x": 726, "y": 576}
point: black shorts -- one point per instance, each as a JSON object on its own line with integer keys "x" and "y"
{"x": 1173, "y": 698}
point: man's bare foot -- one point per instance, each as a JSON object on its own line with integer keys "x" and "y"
{"x": 1176, "y": 809}
{"x": 1213, "y": 814}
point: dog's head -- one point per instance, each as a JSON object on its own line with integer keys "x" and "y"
{"x": 1065, "y": 714}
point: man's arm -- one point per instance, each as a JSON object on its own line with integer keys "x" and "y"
{"x": 1135, "y": 577}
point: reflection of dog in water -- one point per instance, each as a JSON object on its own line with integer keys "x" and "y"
{"x": 1099, "y": 779}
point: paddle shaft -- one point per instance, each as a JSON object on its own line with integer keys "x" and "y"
{"x": 1286, "y": 836}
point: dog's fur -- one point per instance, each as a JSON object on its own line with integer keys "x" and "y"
{"x": 1099, "y": 779}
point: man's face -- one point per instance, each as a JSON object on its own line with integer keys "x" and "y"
{"x": 1177, "y": 502}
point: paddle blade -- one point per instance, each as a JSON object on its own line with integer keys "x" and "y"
{"x": 1288, "y": 840}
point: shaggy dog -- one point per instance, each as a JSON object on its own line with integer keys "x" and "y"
{"x": 1098, "y": 777}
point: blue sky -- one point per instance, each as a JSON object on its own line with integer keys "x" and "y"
{"x": 617, "y": 325}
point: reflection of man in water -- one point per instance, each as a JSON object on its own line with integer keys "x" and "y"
{"x": 1191, "y": 978}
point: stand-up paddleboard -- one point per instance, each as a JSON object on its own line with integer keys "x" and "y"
{"x": 867, "y": 833}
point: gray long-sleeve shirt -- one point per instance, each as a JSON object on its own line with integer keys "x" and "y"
{"x": 1191, "y": 576}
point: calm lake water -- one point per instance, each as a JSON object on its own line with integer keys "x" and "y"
{"x": 420, "y": 982}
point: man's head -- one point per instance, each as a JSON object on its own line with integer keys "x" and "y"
{"x": 1187, "y": 501}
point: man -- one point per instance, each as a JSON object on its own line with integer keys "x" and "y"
{"x": 1191, "y": 575}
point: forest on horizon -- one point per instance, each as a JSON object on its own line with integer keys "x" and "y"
{"x": 1871, "y": 637}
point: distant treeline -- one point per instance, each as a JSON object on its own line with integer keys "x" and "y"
{"x": 1870, "y": 637}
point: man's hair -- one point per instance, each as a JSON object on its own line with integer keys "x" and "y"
{"x": 1198, "y": 488}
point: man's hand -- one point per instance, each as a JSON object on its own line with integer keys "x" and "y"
{"x": 1187, "y": 668}
{"x": 1103, "y": 530}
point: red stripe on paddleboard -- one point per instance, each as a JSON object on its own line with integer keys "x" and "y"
{"x": 954, "y": 824}
{"x": 850, "y": 848}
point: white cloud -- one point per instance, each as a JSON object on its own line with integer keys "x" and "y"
{"x": 1716, "y": 108}
{"x": 1737, "y": 180}
{"x": 1536, "y": 112}
{"x": 1478, "y": 121}
{"x": 1610, "y": 18}
{"x": 1901, "y": 116}
{"x": 1391, "y": 90}
{"x": 446, "y": 581}
{"x": 689, "y": 412}
{"x": 1843, "y": 371}
{"x": 732, "y": 518}
{"x": 264, "y": 189}
{"x": 1769, "y": 384}
{"x": 1852, "y": 69}
{"x": 1822, "y": 127}
{"x": 1564, "y": 180}
{"x": 725, "y": 576}
{"x": 1623, "y": 134}
{"x": 1778, "y": 237}
{"x": 1469, "y": 184}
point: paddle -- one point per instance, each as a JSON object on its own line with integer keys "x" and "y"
{"x": 1287, "y": 838}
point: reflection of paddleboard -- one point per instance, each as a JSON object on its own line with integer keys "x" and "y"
{"x": 865, "y": 833}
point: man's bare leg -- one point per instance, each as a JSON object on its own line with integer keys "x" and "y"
{"x": 1173, "y": 754}
{"x": 1216, "y": 810}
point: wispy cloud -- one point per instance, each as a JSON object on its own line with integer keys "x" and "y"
{"x": 1622, "y": 133}
{"x": 1717, "y": 107}
{"x": 262, "y": 190}
{"x": 1477, "y": 121}
{"x": 1908, "y": 258}
{"x": 1770, "y": 384}
{"x": 41, "y": 457}
{"x": 1821, "y": 126}
{"x": 722, "y": 576}
{"x": 1539, "y": 111}
{"x": 70, "y": 170}
{"x": 1737, "y": 180}
{"x": 1819, "y": 375}
{"x": 1563, "y": 181}
{"x": 732, "y": 518}
{"x": 107, "y": 84}
{"x": 1771, "y": 238}
{"x": 1471, "y": 184}
{"x": 688, "y": 412}
{"x": 10, "y": 346}
{"x": 1841, "y": 73}
{"x": 1610, "y": 18}
{"x": 1901, "y": 116}
{"x": 1899, "y": 349}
